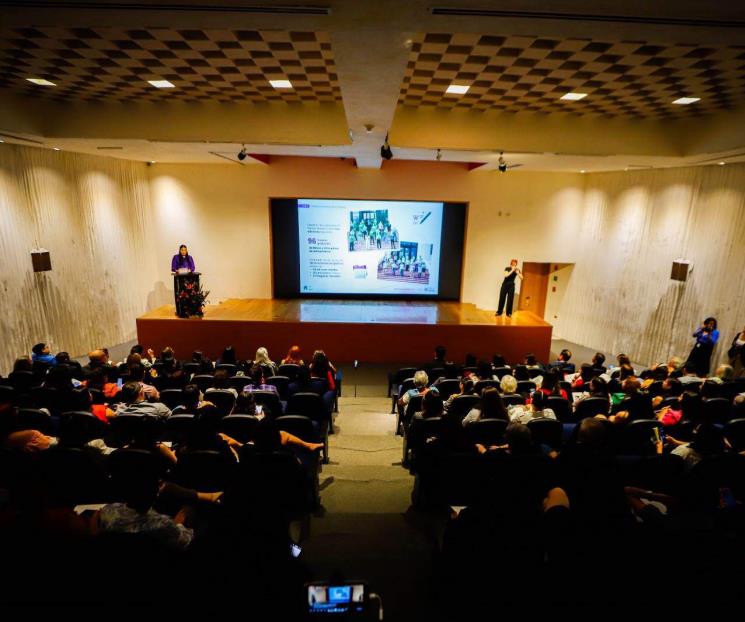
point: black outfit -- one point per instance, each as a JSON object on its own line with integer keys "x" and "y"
{"x": 507, "y": 292}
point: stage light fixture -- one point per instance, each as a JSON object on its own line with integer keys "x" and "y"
{"x": 242, "y": 154}
{"x": 385, "y": 150}
{"x": 438, "y": 157}
{"x": 501, "y": 164}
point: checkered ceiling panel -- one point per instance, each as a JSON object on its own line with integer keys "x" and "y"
{"x": 627, "y": 78}
{"x": 114, "y": 65}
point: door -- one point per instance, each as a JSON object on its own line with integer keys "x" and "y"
{"x": 534, "y": 287}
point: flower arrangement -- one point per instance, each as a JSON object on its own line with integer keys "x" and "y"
{"x": 191, "y": 300}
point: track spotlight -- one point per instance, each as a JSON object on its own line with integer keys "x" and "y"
{"x": 242, "y": 154}
{"x": 438, "y": 157}
{"x": 501, "y": 164}
{"x": 385, "y": 150}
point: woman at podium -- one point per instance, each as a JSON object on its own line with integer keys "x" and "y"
{"x": 182, "y": 261}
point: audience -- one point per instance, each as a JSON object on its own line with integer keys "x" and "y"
{"x": 491, "y": 406}
{"x": 294, "y": 357}
{"x": 133, "y": 402}
{"x": 262, "y": 359}
{"x": 41, "y": 354}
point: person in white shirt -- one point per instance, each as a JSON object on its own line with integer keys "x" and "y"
{"x": 537, "y": 409}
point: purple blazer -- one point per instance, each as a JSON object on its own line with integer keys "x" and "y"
{"x": 179, "y": 262}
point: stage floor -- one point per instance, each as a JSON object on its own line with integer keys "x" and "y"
{"x": 393, "y": 330}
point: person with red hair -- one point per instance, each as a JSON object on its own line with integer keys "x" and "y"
{"x": 294, "y": 357}
{"x": 507, "y": 291}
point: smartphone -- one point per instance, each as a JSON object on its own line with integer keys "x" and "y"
{"x": 119, "y": 383}
{"x": 336, "y": 598}
{"x": 295, "y": 550}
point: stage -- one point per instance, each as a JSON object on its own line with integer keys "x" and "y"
{"x": 369, "y": 331}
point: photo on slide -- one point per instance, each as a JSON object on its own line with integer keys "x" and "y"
{"x": 409, "y": 264}
{"x": 371, "y": 230}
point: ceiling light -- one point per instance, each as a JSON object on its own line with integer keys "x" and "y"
{"x": 281, "y": 84}
{"x": 582, "y": 171}
{"x": 41, "y": 81}
{"x": 161, "y": 84}
{"x": 684, "y": 101}
{"x": 722, "y": 163}
{"x": 573, "y": 97}
{"x": 242, "y": 153}
{"x": 457, "y": 89}
{"x": 55, "y": 149}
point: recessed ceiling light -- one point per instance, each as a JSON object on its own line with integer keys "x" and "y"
{"x": 41, "y": 81}
{"x": 281, "y": 84}
{"x": 55, "y": 149}
{"x": 2, "y": 140}
{"x": 684, "y": 101}
{"x": 722, "y": 163}
{"x": 161, "y": 84}
{"x": 458, "y": 89}
{"x": 152, "y": 161}
{"x": 573, "y": 97}
{"x": 582, "y": 171}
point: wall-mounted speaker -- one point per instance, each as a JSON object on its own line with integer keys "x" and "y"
{"x": 41, "y": 260}
{"x": 681, "y": 268}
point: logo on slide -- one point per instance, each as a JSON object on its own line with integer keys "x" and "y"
{"x": 419, "y": 219}
{"x": 360, "y": 272}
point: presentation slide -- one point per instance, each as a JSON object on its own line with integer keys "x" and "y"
{"x": 369, "y": 247}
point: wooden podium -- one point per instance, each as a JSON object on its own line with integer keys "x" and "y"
{"x": 180, "y": 282}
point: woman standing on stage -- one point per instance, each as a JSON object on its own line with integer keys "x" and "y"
{"x": 706, "y": 337}
{"x": 507, "y": 291}
{"x": 182, "y": 260}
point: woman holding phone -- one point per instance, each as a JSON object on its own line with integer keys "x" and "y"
{"x": 507, "y": 291}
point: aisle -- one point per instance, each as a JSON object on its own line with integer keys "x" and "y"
{"x": 366, "y": 529}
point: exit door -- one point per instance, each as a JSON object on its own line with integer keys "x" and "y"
{"x": 534, "y": 287}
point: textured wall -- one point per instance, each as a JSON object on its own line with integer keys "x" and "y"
{"x": 93, "y": 214}
{"x": 620, "y": 296}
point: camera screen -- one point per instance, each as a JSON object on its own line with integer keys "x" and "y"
{"x": 336, "y": 598}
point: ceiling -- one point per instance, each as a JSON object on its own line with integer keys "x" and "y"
{"x": 361, "y": 70}
{"x": 636, "y": 79}
{"x": 115, "y": 64}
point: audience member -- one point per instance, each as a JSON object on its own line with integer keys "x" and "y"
{"x": 133, "y": 402}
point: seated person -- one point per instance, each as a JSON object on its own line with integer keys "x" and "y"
{"x": 82, "y": 400}
{"x": 598, "y": 362}
{"x": 466, "y": 388}
{"x": 294, "y": 357}
{"x": 267, "y": 364}
{"x": 97, "y": 359}
{"x": 206, "y": 366}
{"x": 137, "y": 374}
{"x": 137, "y": 516}
{"x": 256, "y": 376}
{"x": 635, "y": 405}
{"x": 133, "y": 402}
{"x": 723, "y": 373}
{"x": 550, "y": 385}
{"x": 101, "y": 379}
{"x": 147, "y": 358}
{"x": 303, "y": 383}
{"x": 689, "y": 374}
{"x": 193, "y": 400}
{"x": 586, "y": 374}
{"x": 421, "y": 380}
{"x": 562, "y": 362}
{"x": 689, "y": 407}
{"x": 205, "y": 435}
{"x": 322, "y": 368}
{"x": 483, "y": 371}
{"x": 220, "y": 385}
{"x": 508, "y": 385}
{"x": 598, "y": 387}
{"x": 519, "y": 441}
{"x": 29, "y": 441}
{"x": 40, "y": 353}
{"x": 536, "y": 409}
{"x": 491, "y": 406}
{"x": 270, "y": 438}
{"x": 708, "y": 441}
{"x": 450, "y": 372}
{"x": 531, "y": 362}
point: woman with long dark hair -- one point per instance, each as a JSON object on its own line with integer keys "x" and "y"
{"x": 182, "y": 260}
{"x": 706, "y": 338}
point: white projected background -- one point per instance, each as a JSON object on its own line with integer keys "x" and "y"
{"x": 369, "y": 247}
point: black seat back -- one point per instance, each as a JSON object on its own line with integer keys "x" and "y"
{"x": 240, "y": 427}
{"x": 462, "y": 405}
